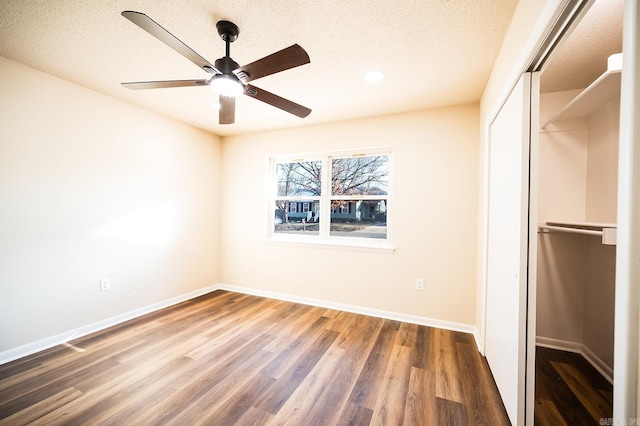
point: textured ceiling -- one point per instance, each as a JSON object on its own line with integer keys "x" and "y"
{"x": 582, "y": 56}
{"x": 433, "y": 52}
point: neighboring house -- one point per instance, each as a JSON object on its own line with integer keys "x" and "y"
{"x": 296, "y": 211}
{"x": 359, "y": 210}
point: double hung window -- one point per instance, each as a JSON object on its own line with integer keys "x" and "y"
{"x": 340, "y": 198}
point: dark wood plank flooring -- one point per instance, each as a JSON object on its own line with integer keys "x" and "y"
{"x": 227, "y": 358}
{"x": 569, "y": 391}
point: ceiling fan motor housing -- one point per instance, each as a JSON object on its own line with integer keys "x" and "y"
{"x": 225, "y": 65}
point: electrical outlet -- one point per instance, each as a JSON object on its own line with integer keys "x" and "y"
{"x": 419, "y": 284}
{"x": 105, "y": 284}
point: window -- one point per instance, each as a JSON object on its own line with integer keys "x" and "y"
{"x": 340, "y": 198}
{"x": 337, "y": 207}
{"x": 297, "y": 182}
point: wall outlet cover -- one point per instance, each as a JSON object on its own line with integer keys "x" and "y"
{"x": 105, "y": 284}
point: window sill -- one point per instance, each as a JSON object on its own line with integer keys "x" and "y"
{"x": 334, "y": 243}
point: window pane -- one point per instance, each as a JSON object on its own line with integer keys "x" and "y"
{"x": 290, "y": 219}
{"x": 299, "y": 179}
{"x": 360, "y": 219}
{"x": 360, "y": 175}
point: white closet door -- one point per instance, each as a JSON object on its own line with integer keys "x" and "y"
{"x": 626, "y": 374}
{"x": 506, "y": 310}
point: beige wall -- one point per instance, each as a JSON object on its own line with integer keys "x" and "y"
{"x": 91, "y": 187}
{"x": 95, "y": 188}
{"x": 435, "y": 155}
{"x": 528, "y": 25}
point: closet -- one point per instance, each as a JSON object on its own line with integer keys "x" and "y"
{"x": 576, "y": 239}
{"x": 577, "y": 214}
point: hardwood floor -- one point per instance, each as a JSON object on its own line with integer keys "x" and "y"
{"x": 228, "y": 358}
{"x": 569, "y": 391}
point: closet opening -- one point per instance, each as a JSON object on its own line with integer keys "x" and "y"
{"x": 577, "y": 169}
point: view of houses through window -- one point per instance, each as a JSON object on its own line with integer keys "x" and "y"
{"x": 333, "y": 196}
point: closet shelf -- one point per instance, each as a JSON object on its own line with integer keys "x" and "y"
{"x": 608, "y": 231}
{"x": 603, "y": 90}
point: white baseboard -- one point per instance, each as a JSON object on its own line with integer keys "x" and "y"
{"x": 378, "y": 313}
{"x": 562, "y": 345}
{"x": 58, "y": 339}
{"x": 578, "y": 348}
{"x": 598, "y": 364}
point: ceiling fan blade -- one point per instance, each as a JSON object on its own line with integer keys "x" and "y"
{"x": 227, "y": 109}
{"x": 156, "y": 30}
{"x": 137, "y": 85}
{"x": 291, "y": 57}
{"x": 276, "y": 101}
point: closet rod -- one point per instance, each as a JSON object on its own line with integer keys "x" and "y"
{"x": 570, "y": 230}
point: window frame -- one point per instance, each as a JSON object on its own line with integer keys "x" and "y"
{"x": 324, "y": 238}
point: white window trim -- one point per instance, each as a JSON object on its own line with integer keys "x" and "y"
{"x": 324, "y": 239}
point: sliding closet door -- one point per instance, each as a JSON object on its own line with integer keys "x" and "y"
{"x": 507, "y": 247}
{"x": 626, "y": 375}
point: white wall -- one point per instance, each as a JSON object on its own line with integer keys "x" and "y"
{"x": 563, "y": 162}
{"x": 577, "y": 182}
{"x": 91, "y": 187}
{"x": 602, "y": 167}
{"x": 602, "y": 200}
{"x": 435, "y": 154}
{"x": 561, "y": 197}
{"x": 528, "y": 25}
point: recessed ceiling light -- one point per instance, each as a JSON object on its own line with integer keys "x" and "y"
{"x": 374, "y": 76}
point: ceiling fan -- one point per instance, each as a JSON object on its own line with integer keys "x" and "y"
{"x": 228, "y": 78}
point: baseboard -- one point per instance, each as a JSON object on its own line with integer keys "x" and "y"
{"x": 578, "y": 348}
{"x": 598, "y": 364}
{"x": 49, "y": 342}
{"x": 378, "y": 313}
{"x": 58, "y": 339}
{"x": 561, "y": 345}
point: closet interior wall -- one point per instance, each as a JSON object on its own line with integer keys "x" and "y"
{"x": 576, "y": 273}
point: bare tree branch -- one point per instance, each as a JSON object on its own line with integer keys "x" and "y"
{"x": 366, "y": 175}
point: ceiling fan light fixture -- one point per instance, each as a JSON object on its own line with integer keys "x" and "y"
{"x": 226, "y": 85}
